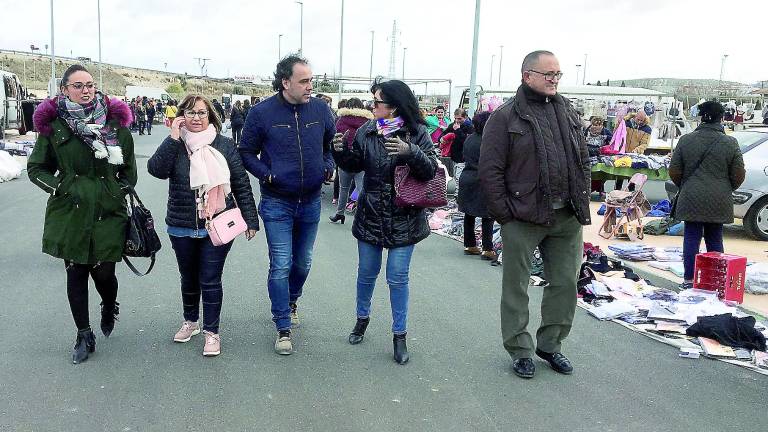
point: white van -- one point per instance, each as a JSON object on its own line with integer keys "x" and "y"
{"x": 11, "y": 115}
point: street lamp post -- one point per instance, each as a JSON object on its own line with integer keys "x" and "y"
{"x": 501, "y": 57}
{"x": 52, "y": 88}
{"x": 722, "y": 67}
{"x": 370, "y": 71}
{"x": 473, "y": 70}
{"x": 578, "y": 69}
{"x": 493, "y": 60}
{"x": 301, "y": 29}
{"x": 404, "y": 50}
{"x": 34, "y": 66}
{"x": 584, "y": 75}
{"x": 341, "y": 52}
{"x": 279, "y": 47}
{"x": 98, "y": 12}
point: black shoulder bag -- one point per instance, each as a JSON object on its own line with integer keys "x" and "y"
{"x": 141, "y": 239}
{"x": 692, "y": 172}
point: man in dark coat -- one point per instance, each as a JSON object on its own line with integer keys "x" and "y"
{"x": 535, "y": 172}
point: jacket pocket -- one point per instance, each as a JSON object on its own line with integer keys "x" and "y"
{"x": 523, "y": 201}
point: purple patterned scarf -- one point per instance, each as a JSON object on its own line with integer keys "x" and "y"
{"x": 89, "y": 122}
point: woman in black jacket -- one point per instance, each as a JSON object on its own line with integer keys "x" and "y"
{"x": 197, "y": 153}
{"x": 237, "y": 120}
{"x": 470, "y": 199}
{"x": 397, "y": 136}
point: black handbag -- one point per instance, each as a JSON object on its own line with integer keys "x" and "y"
{"x": 141, "y": 239}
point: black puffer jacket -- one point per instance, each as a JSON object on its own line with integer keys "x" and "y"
{"x": 378, "y": 220}
{"x": 170, "y": 161}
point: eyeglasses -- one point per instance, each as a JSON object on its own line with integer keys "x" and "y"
{"x": 79, "y": 86}
{"x": 191, "y": 114}
{"x": 549, "y": 76}
{"x": 377, "y": 102}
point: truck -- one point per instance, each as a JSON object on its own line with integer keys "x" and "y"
{"x": 12, "y": 101}
{"x": 131, "y": 92}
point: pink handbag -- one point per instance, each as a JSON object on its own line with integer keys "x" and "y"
{"x": 225, "y": 226}
{"x": 410, "y": 192}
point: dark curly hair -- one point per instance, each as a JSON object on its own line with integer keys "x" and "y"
{"x": 711, "y": 112}
{"x": 284, "y": 70}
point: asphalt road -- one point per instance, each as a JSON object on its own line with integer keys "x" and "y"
{"x": 459, "y": 377}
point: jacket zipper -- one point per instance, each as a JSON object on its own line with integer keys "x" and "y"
{"x": 46, "y": 184}
{"x": 301, "y": 153}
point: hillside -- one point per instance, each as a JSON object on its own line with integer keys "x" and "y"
{"x": 35, "y": 71}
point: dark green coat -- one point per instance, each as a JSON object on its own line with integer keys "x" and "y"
{"x": 706, "y": 196}
{"x": 86, "y": 216}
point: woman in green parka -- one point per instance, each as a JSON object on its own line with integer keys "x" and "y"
{"x": 84, "y": 160}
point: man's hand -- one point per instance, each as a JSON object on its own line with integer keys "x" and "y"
{"x": 338, "y": 142}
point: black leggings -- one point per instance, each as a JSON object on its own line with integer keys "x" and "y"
{"x": 486, "y": 230}
{"x": 103, "y": 275}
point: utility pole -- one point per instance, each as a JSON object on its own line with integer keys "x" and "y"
{"x": 53, "y": 90}
{"x": 392, "y": 48}
{"x": 279, "y": 47}
{"x": 578, "y": 69}
{"x": 301, "y": 29}
{"x": 370, "y": 71}
{"x": 201, "y": 62}
{"x": 404, "y": 51}
{"x": 584, "y": 75}
{"x": 473, "y": 71}
{"x": 501, "y": 56}
{"x": 339, "y": 84}
{"x": 98, "y": 12}
{"x": 722, "y": 67}
{"x": 490, "y": 81}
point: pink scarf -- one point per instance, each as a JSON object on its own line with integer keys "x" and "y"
{"x": 208, "y": 171}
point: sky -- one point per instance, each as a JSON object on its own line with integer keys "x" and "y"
{"x": 622, "y": 39}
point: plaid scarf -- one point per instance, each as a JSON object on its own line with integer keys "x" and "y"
{"x": 89, "y": 123}
{"x": 387, "y": 127}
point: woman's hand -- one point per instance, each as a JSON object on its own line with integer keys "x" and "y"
{"x": 176, "y": 126}
{"x": 396, "y": 146}
{"x": 251, "y": 233}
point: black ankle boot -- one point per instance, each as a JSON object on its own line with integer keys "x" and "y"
{"x": 359, "y": 331}
{"x": 108, "y": 317}
{"x": 338, "y": 218}
{"x": 401, "y": 350}
{"x": 84, "y": 344}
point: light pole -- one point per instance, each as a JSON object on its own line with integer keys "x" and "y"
{"x": 404, "y": 51}
{"x": 722, "y": 67}
{"x": 578, "y": 69}
{"x": 201, "y": 61}
{"x": 370, "y": 71}
{"x": 490, "y": 81}
{"x": 98, "y": 12}
{"x": 584, "y": 75}
{"x": 52, "y": 88}
{"x": 34, "y": 67}
{"x": 339, "y": 84}
{"x": 473, "y": 70}
{"x": 301, "y": 29}
{"x": 279, "y": 47}
{"x": 501, "y": 57}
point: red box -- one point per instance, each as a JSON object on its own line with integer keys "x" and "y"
{"x": 723, "y": 273}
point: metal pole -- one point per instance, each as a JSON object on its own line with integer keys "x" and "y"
{"x": 578, "y": 69}
{"x": 279, "y": 47}
{"x": 490, "y": 81}
{"x": 101, "y": 78}
{"x": 404, "y": 50}
{"x": 370, "y": 71}
{"x": 341, "y": 52}
{"x": 584, "y": 75}
{"x": 301, "y": 29}
{"x": 473, "y": 71}
{"x": 722, "y": 67}
{"x": 501, "y": 57}
{"x": 53, "y": 90}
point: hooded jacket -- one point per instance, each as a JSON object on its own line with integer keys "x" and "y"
{"x": 288, "y": 147}
{"x": 86, "y": 216}
{"x": 350, "y": 119}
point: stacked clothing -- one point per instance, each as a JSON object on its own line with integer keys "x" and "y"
{"x": 633, "y": 252}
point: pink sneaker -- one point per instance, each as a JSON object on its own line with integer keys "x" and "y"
{"x": 212, "y": 344}
{"x": 187, "y": 330}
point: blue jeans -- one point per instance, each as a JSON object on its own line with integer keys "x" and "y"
{"x": 398, "y": 264}
{"x": 291, "y": 228}
{"x": 713, "y": 237}
{"x": 201, "y": 265}
{"x": 345, "y": 181}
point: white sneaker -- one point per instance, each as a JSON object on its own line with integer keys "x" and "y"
{"x": 294, "y": 316}
{"x": 212, "y": 344}
{"x": 187, "y": 330}
{"x": 283, "y": 345}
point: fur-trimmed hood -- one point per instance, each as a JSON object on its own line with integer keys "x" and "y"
{"x": 47, "y": 112}
{"x": 355, "y": 112}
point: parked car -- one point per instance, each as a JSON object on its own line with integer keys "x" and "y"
{"x": 751, "y": 199}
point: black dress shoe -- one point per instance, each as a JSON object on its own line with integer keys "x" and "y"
{"x": 338, "y": 218}
{"x": 359, "y": 331}
{"x": 84, "y": 345}
{"x": 401, "y": 349}
{"x": 557, "y": 361}
{"x": 524, "y": 367}
{"x": 108, "y": 317}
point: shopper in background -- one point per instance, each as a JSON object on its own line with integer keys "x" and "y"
{"x": 237, "y": 120}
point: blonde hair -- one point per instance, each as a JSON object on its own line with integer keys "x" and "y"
{"x": 189, "y": 102}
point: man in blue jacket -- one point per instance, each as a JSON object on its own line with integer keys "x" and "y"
{"x": 286, "y": 144}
